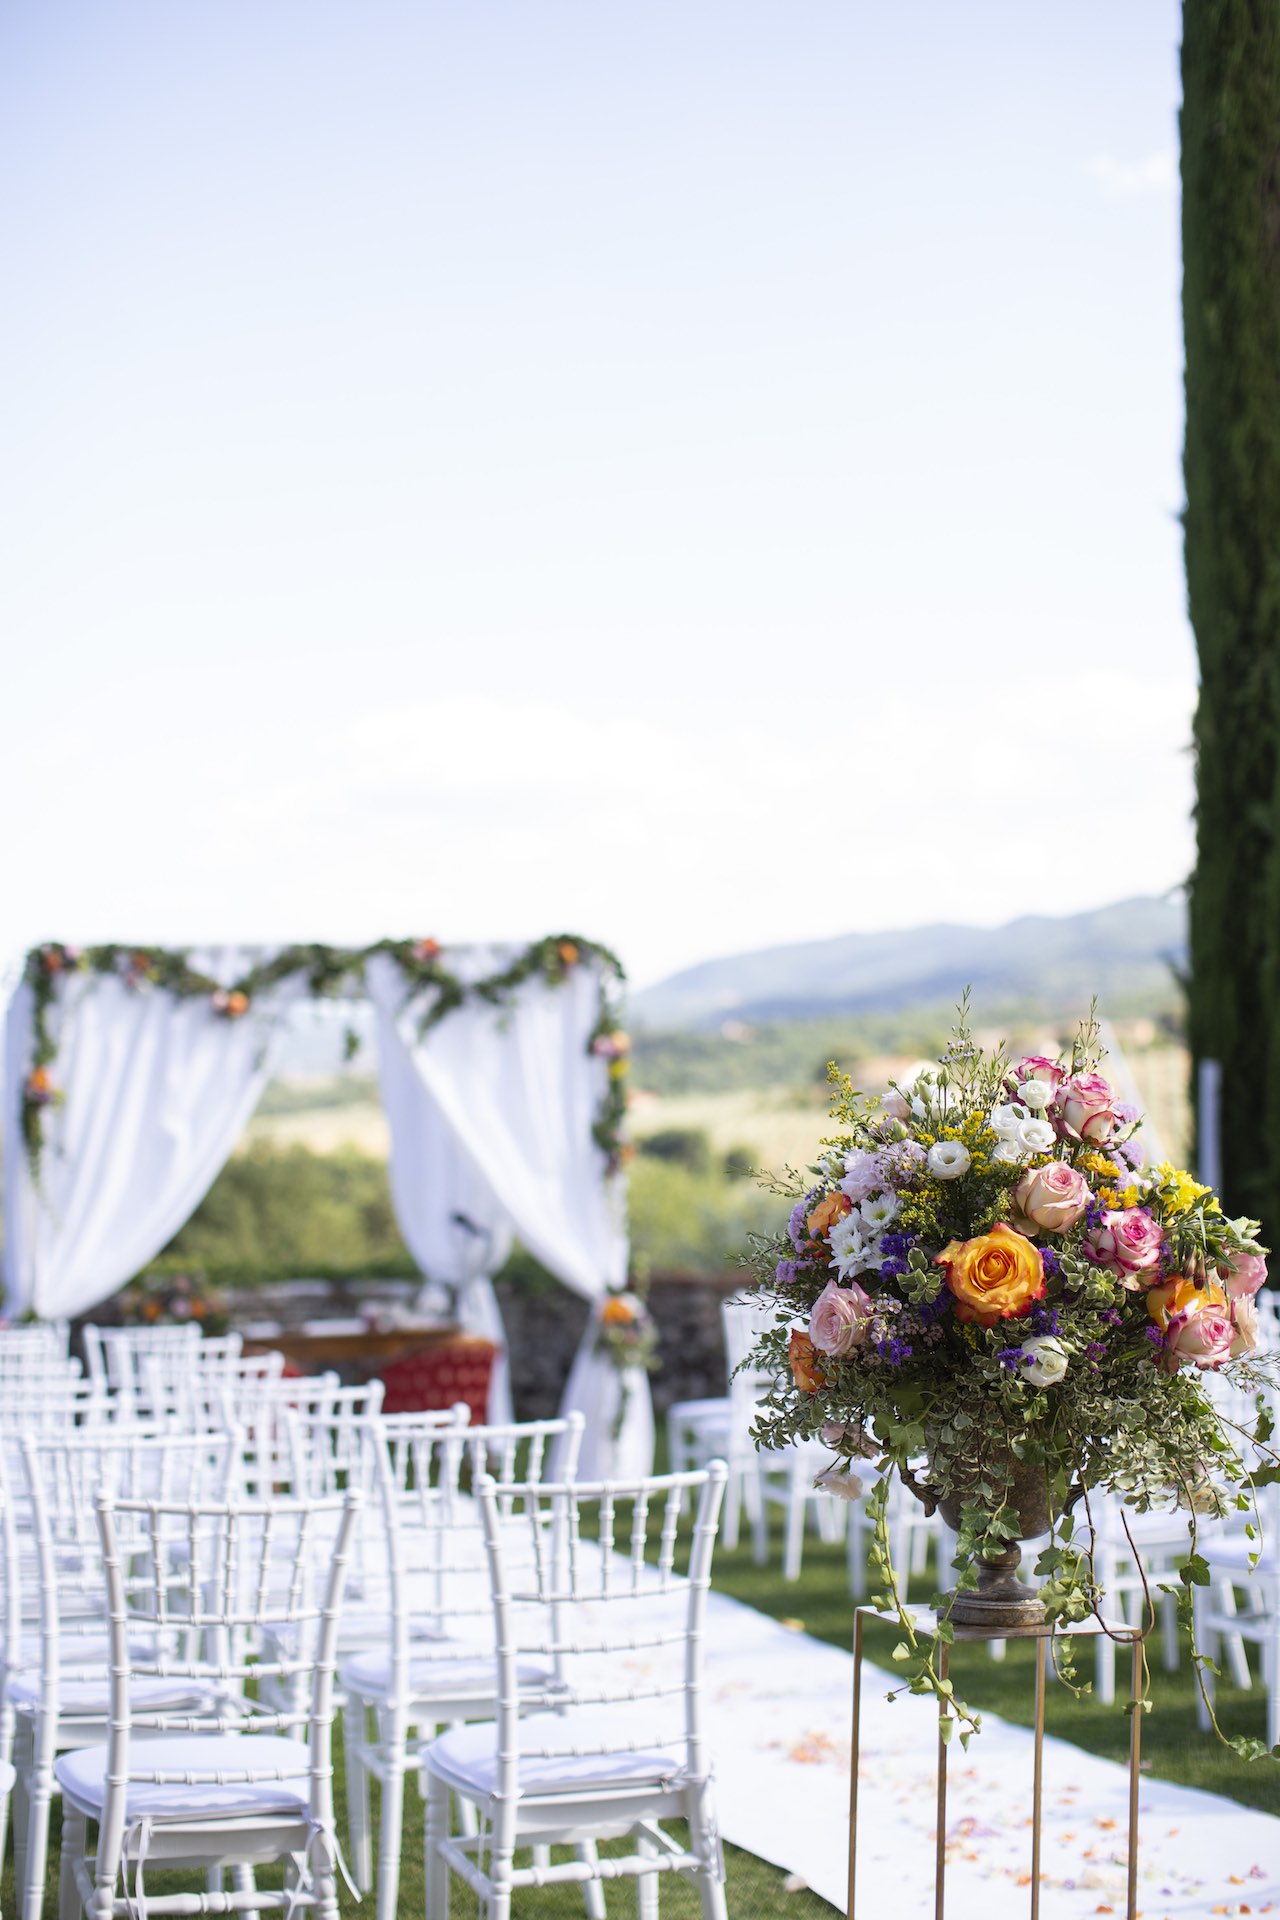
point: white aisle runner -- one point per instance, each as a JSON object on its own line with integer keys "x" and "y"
{"x": 778, "y": 1712}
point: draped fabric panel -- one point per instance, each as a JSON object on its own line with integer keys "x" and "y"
{"x": 157, "y": 1091}
{"x": 452, "y": 1222}
{"x": 518, "y": 1090}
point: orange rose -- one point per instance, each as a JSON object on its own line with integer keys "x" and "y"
{"x": 827, "y": 1212}
{"x": 1183, "y": 1296}
{"x": 568, "y": 953}
{"x": 617, "y": 1311}
{"x": 38, "y": 1080}
{"x": 805, "y": 1371}
{"x": 994, "y": 1277}
{"x": 237, "y": 1003}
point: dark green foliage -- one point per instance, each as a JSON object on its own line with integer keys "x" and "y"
{"x": 1231, "y": 311}
{"x": 284, "y": 1213}
{"x": 740, "y": 1163}
{"x": 682, "y": 1146}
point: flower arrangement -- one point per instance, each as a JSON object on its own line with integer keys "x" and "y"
{"x": 627, "y": 1334}
{"x": 170, "y": 1299}
{"x": 984, "y": 1275}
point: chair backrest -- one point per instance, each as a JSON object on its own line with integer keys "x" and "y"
{"x": 54, "y": 1573}
{"x": 427, "y": 1471}
{"x": 618, "y": 1597}
{"x": 45, "y": 1339}
{"x": 116, "y": 1356}
{"x": 263, "y": 1410}
{"x": 191, "y": 1583}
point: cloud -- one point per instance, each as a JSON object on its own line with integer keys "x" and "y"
{"x": 1127, "y": 179}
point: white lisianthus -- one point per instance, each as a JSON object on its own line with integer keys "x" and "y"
{"x": 948, "y": 1160}
{"x": 1008, "y": 1118}
{"x": 1036, "y": 1094}
{"x": 917, "y": 1107}
{"x": 1043, "y": 1362}
{"x": 1035, "y": 1136}
{"x": 848, "y": 1250}
{"x": 839, "y": 1480}
{"x": 876, "y": 1214}
{"x": 1007, "y": 1152}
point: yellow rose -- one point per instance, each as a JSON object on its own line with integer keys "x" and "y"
{"x": 827, "y": 1212}
{"x": 1182, "y": 1296}
{"x": 994, "y": 1277}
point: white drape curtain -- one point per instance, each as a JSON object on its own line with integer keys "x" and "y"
{"x": 451, "y": 1220}
{"x": 518, "y": 1091}
{"x": 157, "y": 1090}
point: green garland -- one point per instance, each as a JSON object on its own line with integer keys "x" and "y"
{"x": 328, "y": 971}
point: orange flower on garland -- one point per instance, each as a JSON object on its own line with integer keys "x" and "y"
{"x": 995, "y": 1277}
{"x": 569, "y": 955}
{"x": 426, "y": 950}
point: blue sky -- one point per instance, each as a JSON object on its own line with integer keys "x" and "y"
{"x": 702, "y": 474}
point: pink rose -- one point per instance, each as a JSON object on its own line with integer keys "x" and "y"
{"x": 1129, "y": 1243}
{"x": 1244, "y": 1316}
{"x": 1085, "y": 1108}
{"x": 1244, "y": 1274}
{"x": 1052, "y": 1197}
{"x": 1035, "y": 1066}
{"x": 1199, "y": 1336}
{"x": 838, "y": 1322}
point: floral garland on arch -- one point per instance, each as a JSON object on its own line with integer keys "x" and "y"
{"x": 984, "y": 1274}
{"x": 329, "y": 971}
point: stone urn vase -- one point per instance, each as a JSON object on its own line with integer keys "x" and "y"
{"x": 1001, "y": 1606}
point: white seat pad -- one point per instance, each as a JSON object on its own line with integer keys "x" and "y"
{"x": 92, "y": 1694}
{"x": 467, "y": 1757}
{"x": 81, "y": 1776}
{"x": 435, "y": 1675}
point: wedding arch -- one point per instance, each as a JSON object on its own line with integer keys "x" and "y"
{"x": 130, "y": 1073}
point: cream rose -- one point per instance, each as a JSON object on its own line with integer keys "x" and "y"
{"x": 1052, "y": 1197}
{"x": 1043, "y": 1362}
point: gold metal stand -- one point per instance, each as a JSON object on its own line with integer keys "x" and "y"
{"x": 924, "y": 1622}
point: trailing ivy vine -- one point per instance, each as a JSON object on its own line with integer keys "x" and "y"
{"x": 328, "y": 972}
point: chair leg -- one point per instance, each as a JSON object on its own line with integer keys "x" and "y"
{"x": 324, "y": 1882}
{"x": 73, "y": 1844}
{"x": 753, "y": 1496}
{"x": 22, "y": 1763}
{"x": 1169, "y": 1630}
{"x": 436, "y": 1866}
{"x": 355, "y": 1717}
{"x": 794, "y": 1540}
{"x": 40, "y": 1797}
{"x": 593, "y": 1890}
{"x": 1104, "y": 1669}
{"x": 6, "y": 1753}
{"x": 646, "y": 1883}
{"x": 856, "y": 1552}
{"x": 732, "y": 1510}
{"x": 1207, "y": 1641}
{"x": 243, "y": 1881}
{"x": 1237, "y": 1658}
{"x": 392, "y": 1735}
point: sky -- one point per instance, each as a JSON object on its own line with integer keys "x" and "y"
{"x": 699, "y": 474}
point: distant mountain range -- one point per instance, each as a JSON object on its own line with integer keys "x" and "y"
{"x": 1123, "y": 953}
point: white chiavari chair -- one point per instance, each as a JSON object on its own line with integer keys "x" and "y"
{"x": 436, "y": 1667}
{"x": 232, "y": 1782}
{"x": 615, "y": 1594}
{"x": 58, "y": 1686}
{"x": 117, "y": 1357}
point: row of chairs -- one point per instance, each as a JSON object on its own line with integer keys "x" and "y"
{"x": 197, "y": 1581}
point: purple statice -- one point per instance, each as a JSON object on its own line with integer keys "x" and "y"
{"x": 894, "y": 1248}
{"x": 1044, "y": 1320}
{"x": 1094, "y": 1351}
{"x": 799, "y": 1214}
{"x": 1113, "y": 1317}
{"x": 1093, "y": 1214}
{"x": 894, "y": 1350}
{"x": 786, "y": 1273}
{"x": 1011, "y": 1357}
{"x": 1154, "y": 1335}
{"x": 931, "y": 1311}
{"x": 1052, "y": 1264}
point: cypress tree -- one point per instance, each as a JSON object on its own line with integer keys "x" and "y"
{"x": 1230, "y": 125}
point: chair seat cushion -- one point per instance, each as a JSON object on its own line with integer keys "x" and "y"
{"x": 91, "y": 1694}
{"x": 467, "y": 1757}
{"x": 435, "y": 1676}
{"x": 285, "y": 1794}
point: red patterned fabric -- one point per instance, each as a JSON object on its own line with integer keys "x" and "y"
{"x": 440, "y": 1377}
